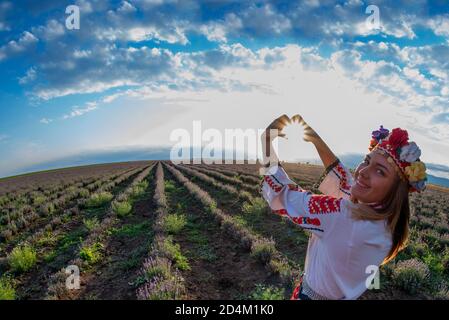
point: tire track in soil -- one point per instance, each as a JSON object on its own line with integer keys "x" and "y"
{"x": 290, "y": 240}
{"x": 233, "y": 274}
{"x": 112, "y": 278}
{"x": 33, "y": 284}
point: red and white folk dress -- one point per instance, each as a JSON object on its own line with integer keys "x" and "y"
{"x": 341, "y": 251}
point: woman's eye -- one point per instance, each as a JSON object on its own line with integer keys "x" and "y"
{"x": 381, "y": 172}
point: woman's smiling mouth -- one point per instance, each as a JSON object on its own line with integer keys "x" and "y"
{"x": 362, "y": 185}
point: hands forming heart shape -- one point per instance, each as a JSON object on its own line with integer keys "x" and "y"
{"x": 283, "y": 121}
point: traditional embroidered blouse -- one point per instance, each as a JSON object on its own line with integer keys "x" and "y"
{"x": 341, "y": 251}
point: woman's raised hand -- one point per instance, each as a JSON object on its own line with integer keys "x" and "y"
{"x": 325, "y": 153}
{"x": 309, "y": 134}
{"x": 271, "y": 132}
{"x": 275, "y": 128}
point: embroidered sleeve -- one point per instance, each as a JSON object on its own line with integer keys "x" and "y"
{"x": 336, "y": 181}
{"x": 316, "y": 213}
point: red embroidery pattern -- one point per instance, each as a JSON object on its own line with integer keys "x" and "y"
{"x": 299, "y": 220}
{"x": 344, "y": 178}
{"x": 294, "y": 187}
{"x": 307, "y": 220}
{"x": 295, "y": 294}
{"x": 322, "y": 204}
{"x": 272, "y": 184}
{"x": 281, "y": 212}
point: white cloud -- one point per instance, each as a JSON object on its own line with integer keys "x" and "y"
{"x": 76, "y": 112}
{"x": 79, "y": 54}
{"x": 440, "y": 25}
{"x": 26, "y": 40}
{"x": 438, "y": 173}
{"x": 169, "y": 34}
{"x": 46, "y": 120}
{"x": 29, "y": 76}
{"x": 416, "y": 76}
{"x": 126, "y": 7}
{"x": 328, "y": 97}
{"x": 52, "y": 30}
{"x": 312, "y": 3}
{"x": 214, "y": 32}
{"x": 173, "y": 35}
{"x": 256, "y": 18}
{"x": 445, "y": 91}
{"x": 400, "y": 27}
{"x": 85, "y": 6}
{"x": 83, "y": 87}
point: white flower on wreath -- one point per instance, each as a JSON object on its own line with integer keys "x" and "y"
{"x": 410, "y": 152}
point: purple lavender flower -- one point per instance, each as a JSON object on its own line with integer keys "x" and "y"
{"x": 380, "y": 134}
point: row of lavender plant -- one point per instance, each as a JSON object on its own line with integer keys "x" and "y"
{"x": 245, "y": 177}
{"x": 24, "y": 197}
{"x": 160, "y": 278}
{"x": 17, "y": 219}
{"x": 91, "y": 250}
{"x": 24, "y": 218}
{"x": 253, "y": 202}
{"x": 73, "y": 212}
{"x": 226, "y": 179}
{"x": 32, "y": 192}
{"x": 244, "y": 172}
{"x": 261, "y": 248}
{"x": 38, "y": 200}
{"x": 225, "y": 187}
{"x": 39, "y": 196}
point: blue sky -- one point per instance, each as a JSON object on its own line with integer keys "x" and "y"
{"x": 137, "y": 70}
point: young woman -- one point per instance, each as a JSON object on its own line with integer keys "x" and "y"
{"x": 359, "y": 222}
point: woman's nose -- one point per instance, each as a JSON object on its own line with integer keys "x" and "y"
{"x": 364, "y": 172}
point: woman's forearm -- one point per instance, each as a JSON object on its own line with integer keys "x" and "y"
{"x": 325, "y": 153}
{"x": 269, "y": 153}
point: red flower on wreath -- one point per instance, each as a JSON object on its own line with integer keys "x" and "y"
{"x": 398, "y": 138}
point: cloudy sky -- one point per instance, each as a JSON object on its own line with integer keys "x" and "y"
{"x": 136, "y": 70}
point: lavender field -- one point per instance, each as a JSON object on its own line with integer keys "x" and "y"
{"x": 155, "y": 230}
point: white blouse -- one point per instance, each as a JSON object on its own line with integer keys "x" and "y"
{"x": 342, "y": 251}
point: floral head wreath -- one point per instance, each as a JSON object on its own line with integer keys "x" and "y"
{"x": 404, "y": 156}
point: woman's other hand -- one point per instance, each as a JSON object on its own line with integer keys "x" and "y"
{"x": 271, "y": 132}
{"x": 327, "y": 156}
{"x": 310, "y": 135}
{"x": 275, "y": 128}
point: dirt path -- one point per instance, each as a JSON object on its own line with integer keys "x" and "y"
{"x": 114, "y": 277}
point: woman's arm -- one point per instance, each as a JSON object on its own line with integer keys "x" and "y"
{"x": 327, "y": 156}
{"x": 316, "y": 213}
{"x": 271, "y": 132}
{"x": 336, "y": 180}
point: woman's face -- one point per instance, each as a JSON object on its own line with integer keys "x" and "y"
{"x": 374, "y": 179}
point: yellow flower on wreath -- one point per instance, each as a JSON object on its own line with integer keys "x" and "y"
{"x": 416, "y": 171}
